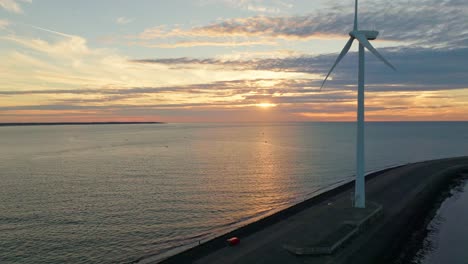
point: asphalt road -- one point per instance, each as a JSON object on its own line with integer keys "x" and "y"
{"x": 406, "y": 193}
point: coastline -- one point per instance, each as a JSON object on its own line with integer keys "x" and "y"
{"x": 219, "y": 241}
{"x": 76, "y": 123}
{"x": 409, "y": 210}
{"x": 417, "y": 242}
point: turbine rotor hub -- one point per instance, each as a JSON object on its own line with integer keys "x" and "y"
{"x": 370, "y": 34}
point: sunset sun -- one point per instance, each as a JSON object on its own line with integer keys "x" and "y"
{"x": 265, "y": 105}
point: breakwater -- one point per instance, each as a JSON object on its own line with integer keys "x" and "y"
{"x": 406, "y": 194}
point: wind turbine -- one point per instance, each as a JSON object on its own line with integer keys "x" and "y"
{"x": 363, "y": 37}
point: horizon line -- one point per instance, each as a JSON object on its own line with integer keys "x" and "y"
{"x": 222, "y": 122}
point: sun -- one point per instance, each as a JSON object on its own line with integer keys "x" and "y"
{"x": 265, "y": 105}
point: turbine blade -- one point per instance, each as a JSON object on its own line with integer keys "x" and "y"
{"x": 363, "y": 40}
{"x": 342, "y": 54}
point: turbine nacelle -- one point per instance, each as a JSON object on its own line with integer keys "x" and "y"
{"x": 369, "y": 34}
{"x": 363, "y": 37}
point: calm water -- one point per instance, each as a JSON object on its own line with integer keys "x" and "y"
{"x": 447, "y": 239}
{"x": 115, "y": 193}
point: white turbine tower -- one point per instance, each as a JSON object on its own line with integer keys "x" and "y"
{"x": 363, "y": 36}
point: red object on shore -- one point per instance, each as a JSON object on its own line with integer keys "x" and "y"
{"x": 233, "y": 241}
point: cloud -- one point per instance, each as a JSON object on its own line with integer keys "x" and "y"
{"x": 427, "y": 81}
{"x": 64, "y": 70}
{"x": 430, "y": 23}
{"x": 293, "y": 93}
{"x": 263, "y": 54}
{"x": 13, "y": 5}
{"x": 123, "y": 20}
{"x": 222, "y": 88}
{"x": 4, "y": 23}
{"x": 291, "y": 96}
{"x": 337, "y": 105}
{"x": 419, "y": 69}
{"x": 165, "y": 37}
{"x": 70, "y": 47}
{"x": 257, "y": 6}
{"x": 218, "y": 43}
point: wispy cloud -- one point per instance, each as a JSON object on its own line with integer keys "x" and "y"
{"x": 257, "y": 6}
{"x": 420, "y": 69}
{"x": 260, "y": 26}
{"x": 13, "y": 5}
{"x": 54, "y": 32}
{"x": 430, "y": 23}
{"x": 123, "y": 20}
{"x": 294, "y": 98}
{"x": 68, "y": 61}
{"x": 205, "y": 43}
{"x": 4, "y": 23}
{"x": 318, "y": 106}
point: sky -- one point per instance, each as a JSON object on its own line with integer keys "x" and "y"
{"x": 229, "y": 60}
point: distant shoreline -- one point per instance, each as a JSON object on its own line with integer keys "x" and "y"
{"x": 77, "y": 123}
{"x": 262, "y": 122}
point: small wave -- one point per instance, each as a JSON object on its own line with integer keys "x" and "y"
{"x": 181, "y": 240}
{"x": 183, "y": 243}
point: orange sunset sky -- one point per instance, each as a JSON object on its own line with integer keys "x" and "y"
{"x": 228, "y": 61}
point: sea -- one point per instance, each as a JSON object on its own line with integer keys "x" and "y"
{"x": 123, "y": 193}
{"x": 445, "y": 238}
